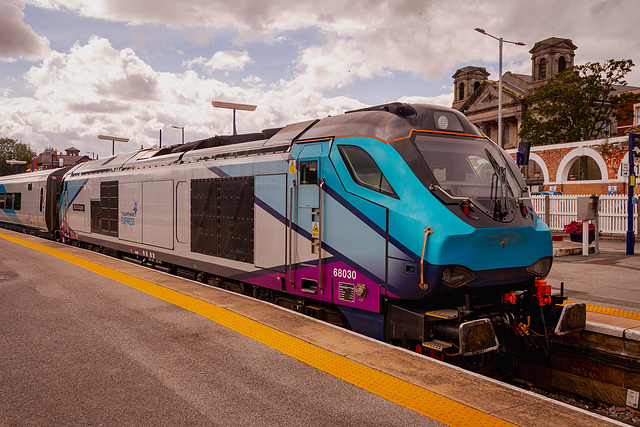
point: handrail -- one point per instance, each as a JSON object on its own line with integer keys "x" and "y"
{"x": 427, "y": 232}
{"x": 320, "y": 235}
{"x": 291, "y": 232}
{"x": 434, "y": 187}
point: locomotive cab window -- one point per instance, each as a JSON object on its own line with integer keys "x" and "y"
{"x": 364, "y": 170}
{"x": 309, "y": 172}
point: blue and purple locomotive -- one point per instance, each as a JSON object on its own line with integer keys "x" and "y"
{"x": 402, "y": 222}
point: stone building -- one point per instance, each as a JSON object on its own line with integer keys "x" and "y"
{"x": 477, "y": 97}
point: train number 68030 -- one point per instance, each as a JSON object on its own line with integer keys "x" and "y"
{"x": 344, "y": 274}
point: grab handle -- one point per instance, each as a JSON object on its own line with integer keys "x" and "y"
{"x": 320, "y": 235}
{"x": 290, "y": 232}
{"x": 427, "y": 232}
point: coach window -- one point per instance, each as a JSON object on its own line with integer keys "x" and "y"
{"x": 2, "y": 196}
{"x": 9, "y": 201}
{"x": 17, "y": 201}
{"x": 364, "y": 170}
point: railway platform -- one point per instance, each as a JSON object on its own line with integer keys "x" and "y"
{"x": 89, "y": 339}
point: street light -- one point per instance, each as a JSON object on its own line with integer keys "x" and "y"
{"x": 113, "y": 140}
{"x": 233, "y": 106}
{"x": 17, "y": 162}
{"x": 501, "y": 40}
{"x": 180, "y": 127}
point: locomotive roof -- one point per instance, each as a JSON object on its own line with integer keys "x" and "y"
{"x": 386, "y": 122}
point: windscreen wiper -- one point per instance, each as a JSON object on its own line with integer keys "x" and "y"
{"x": 500, "y": 185}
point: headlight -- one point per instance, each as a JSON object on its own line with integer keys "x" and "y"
{"x": 453, "y": 276}
{"x": 540, "y": 268}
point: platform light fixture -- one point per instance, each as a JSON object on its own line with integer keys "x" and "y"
{"x": 501, "y": 40}
{"x": 113, "y": 140}
{"x": 233, "y": 106}
{"x": 180, "y": 127}
{"x": 17, "y": 162}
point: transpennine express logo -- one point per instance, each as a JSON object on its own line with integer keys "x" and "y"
{"x": 129, "y": 217}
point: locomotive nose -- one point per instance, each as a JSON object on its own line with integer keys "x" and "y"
{"x": 495, "y": 249}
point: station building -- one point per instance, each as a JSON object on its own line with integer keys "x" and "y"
{"x": 50, "y": 158}
{"x": 582, "y": 167}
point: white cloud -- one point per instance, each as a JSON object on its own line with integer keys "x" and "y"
{"x": 17, "y": 39}
{"x": 95, "y": 89}
{"x": 425, "y": 37}
{"x": 221, "y": 61}
{"x": 445, "y": 99}
{"x": 228, "y": 60}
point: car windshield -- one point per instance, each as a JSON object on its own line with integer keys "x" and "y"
{"x": 472, "y": 168}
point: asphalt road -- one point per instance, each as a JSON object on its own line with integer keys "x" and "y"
{"x": 609, "y": 279}
{"x": 78, "y": 348}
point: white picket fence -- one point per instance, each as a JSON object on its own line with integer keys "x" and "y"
{"x": 562, "y": 210}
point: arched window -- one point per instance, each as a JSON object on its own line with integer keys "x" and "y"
{"x": 562, "y": 64}
{"x": 461, "y": 92}
{"x": 542, "y": 69}
{"x": 535, "y": 176}
{"x": 584, "y": 168}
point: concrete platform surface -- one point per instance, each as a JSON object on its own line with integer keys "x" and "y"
{"x": 81, "y": 347}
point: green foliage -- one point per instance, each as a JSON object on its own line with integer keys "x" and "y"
{"x": 10, "y": 149}
{"x": 574, "y": 104}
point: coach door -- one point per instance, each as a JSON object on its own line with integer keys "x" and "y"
{"x": 308, "y": 251}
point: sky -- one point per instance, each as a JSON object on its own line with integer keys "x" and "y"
{"x": 71, "y": 70}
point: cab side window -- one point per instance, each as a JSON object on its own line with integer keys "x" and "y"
{"x": 364, "y": 170}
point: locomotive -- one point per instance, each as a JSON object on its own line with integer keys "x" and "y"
{"x": 402, "y": 222}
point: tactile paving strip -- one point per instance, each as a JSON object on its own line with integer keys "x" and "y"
{"x": 610, "y": 311}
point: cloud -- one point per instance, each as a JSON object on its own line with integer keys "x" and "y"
{"x": 17, "y": 39}
{"x": 92, "y": 73}
{"x": 96, "y": 89}
{"x": 428, "y": 38}
{"x": 444, "y": 99}
{"x": 221, "y": 60}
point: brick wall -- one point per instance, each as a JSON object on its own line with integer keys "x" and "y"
{"x": 612, "y": 152}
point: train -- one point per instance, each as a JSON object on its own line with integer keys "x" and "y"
{"x": 402, "y": 222}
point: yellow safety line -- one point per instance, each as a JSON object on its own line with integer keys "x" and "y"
{"x": 610, "y": 311}
{"x": 410, "y": 396}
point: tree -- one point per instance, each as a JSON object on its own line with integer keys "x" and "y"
{"x": 575, "y": 104}
{"x": 10, "y": 149}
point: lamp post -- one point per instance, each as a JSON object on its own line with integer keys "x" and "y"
{"x": 233, "y": 106}
{"x": 501, "y": 40}
{"x": 17, "y": 162}
{"x": 180, "y": 127}
{"x": 113, "y": 140}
